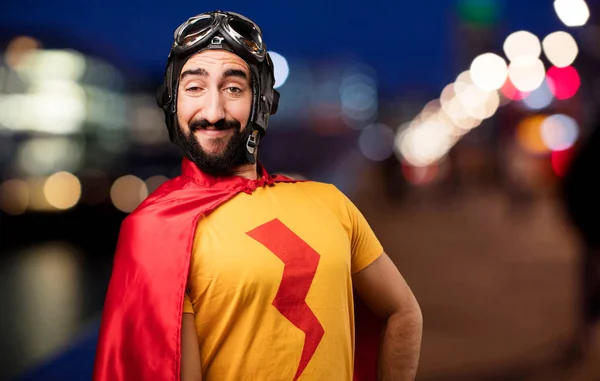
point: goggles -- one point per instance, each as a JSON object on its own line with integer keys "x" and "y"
{"x": 213, "y": 28}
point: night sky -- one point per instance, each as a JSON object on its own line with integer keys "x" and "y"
{"x": 406, "y": 41}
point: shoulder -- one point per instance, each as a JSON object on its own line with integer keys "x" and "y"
{"x": 315, "y": 189}
{"x": 324, "y": 194}
{"x": 164, "y": 194}
{"x": 305, "y": 185}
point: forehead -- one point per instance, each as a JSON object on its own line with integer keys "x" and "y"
{"x": 216, "y": 60}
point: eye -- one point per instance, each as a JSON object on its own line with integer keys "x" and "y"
{"x": 234, "y": 90}
{"x": 193, "y": 88}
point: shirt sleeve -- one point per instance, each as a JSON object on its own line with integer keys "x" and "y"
{"x": 366, "y": 248}
{"x": 188, "y": 308}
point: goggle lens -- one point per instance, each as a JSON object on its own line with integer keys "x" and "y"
{"x": 249, "y": 35}
{"x": 195, "y": 31}
{"x": 242, "y": 30}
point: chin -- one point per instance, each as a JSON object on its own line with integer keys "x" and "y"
{"x": 213, "y": 146}
{"x": 214, "y": 151}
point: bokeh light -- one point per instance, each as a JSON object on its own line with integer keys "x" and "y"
{"x": 376, "y": 142}
{"x": 424, "y": 144}
{"x": 489, "y": 71}
{"x": 127, "y": 192}
{"x": 37, "y": 196}
{"x": 52, "y": 65}
{"x": 565, "y": 81}
{"x": 358, "y": 96}
{"x": 479, "y": 104}
{"x": 462, "y": 102}
{"x": 14, "y": 196}
{"x": 470, "y": 96}
{"x": 522, "y": 44}
{"x": 62, "y": 190}
{"x": 49, "y": 275}
{"x": 509, "y": 91}
{"x": 420, "y": 175}
{"x": 559, "y": 132}
{"x": 281, "y": 67}
{"x": 50, "y": 106}
{"x": 46, "y": 155}
{"x": 453, "y": 108}
{"x": 503, "y": 99}
{"x": 561, "y": 160}
{"x": 560, "y": 48}
{"x": 572, "y": 12}
{"x": 19, "y": 49}
{"x": 446, "y": 96}
{"x": 430, "y": 109}
{"x": 541, "y": 97}
{"x": 526, "y": 73}
{"x": 529, "y": 135}
{"x": 152, "y": 183}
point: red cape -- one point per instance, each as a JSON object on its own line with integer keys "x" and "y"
{"x": 141, "y": 321}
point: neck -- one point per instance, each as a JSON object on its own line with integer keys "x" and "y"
{"x": 247, "y": 171}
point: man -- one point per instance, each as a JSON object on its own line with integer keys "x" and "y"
{"x": 227, "y": 273}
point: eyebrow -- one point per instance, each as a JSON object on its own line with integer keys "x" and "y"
{"x": 199, "y": 71}
{"x": 202, "y": 72}
{"x": 235, "y": 73}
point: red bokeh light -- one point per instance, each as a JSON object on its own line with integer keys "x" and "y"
{"x": 561, "y": 161}
{"x": 419, "y": 175}
{"x": 565, "y": 81}
{"x": 511, "y": 92}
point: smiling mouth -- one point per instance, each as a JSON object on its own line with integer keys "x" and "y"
{"x": 213, "y": 131}
{"x": 214, "y": 128}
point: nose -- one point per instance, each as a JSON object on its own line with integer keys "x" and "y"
{"x": 213, "y": 109}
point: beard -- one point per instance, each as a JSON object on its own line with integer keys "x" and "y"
{"x": 218, "y": 164}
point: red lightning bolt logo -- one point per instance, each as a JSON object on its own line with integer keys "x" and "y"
{"x": 301, "y": 263}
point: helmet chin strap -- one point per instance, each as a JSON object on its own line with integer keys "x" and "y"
{"x": 252, "y": 145}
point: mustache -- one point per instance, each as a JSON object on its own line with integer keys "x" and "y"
{"x": 222, "y": 124}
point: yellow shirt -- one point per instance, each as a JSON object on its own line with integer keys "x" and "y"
{"x": 270, "y": 284}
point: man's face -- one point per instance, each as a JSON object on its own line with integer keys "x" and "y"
{"x": 213, "y": 107}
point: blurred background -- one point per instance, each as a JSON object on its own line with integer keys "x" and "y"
{"x": 463, "y": 129}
